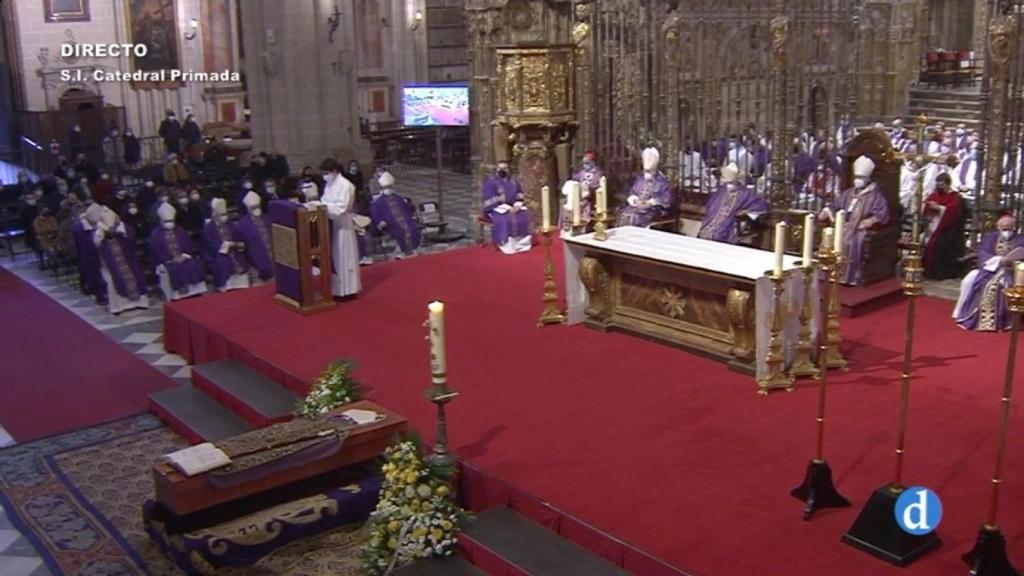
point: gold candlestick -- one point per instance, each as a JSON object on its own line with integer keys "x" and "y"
{"x": 601, "y": 227}
{"x": 803, "y": 363}
{"x": 989, "y": 553}
{"x": 818, "y": 490}
{"x": 551, "y": 314}
{"x": 776, "y": 376}
{"x": 834, "y": 357}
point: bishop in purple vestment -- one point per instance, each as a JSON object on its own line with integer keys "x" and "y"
{"x": 730, "y": 199}
{"x": 170, "y": 247}
{"x": 254, "y": 229}
{"x": 982, "y": 303}
{"x": 650, "y": 197}
{"x": 865, "y": 207}
{"x": 395, "y": 215}
{"x": 223, "y": 250}
{"x": 589, "y": 176}
{"x": 126, "y": 284}
{"x": 87, "y": 256}
{"x": 504, "y": 204}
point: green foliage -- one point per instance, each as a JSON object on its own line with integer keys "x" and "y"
{"x": 335, "y": 387}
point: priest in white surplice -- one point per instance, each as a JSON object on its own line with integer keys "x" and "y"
{"x": 339, "y": 198}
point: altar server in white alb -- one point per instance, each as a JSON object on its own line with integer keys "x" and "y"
{"x": 339, "y": 198}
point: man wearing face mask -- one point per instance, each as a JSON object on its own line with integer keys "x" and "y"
{"x": 254, "y": 229}
{"x": 126, "y": 285}
{"x": 730, "y": 199}
{"x": 651, "y": 195}
{"x": 174, "y": 171}
{"x": 223, "y": 250}
{"x": 395, "y": 215}
{"x": 944, "y": 231}
{"x": 117, "y": 200}
{"x": 739, "y": 156}
{"x": 170, "y": 131}
{"x": 962, "y": 140}
{"x": 589, "y": 178}
{"x": 103, "y": 189}
{"x": 354, "y": 175}
{"x": 339, "y": 199}
{"x": 195, "y": 215}
{"x": 865, "y": 207}
{"x": 965, "y": 176}
{"x": 982, "y": 305}
{"x": 181, "y": 274}
{"x": 134, "y": 224}
{"x": 504, "y": 204}
{"x": 269, "y": 193}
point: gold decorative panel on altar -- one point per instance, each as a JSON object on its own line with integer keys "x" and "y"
{"x": 535, "y": 85}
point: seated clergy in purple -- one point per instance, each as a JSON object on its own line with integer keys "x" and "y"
{"x": 126, "y": 285}
{"x": 396, "y": 216}
{"x": 223, "y": 250}
{"x": 650, "y": 197}
{"x": 254, "y": 228}
{"x": 87, "y": 256}
{"x": 725, "y": 204}
{"x": 504, "y": 204}
{"x": 181, "y": 274}
{"x": 982, "y": 303}
{"x": 865, "y": 208}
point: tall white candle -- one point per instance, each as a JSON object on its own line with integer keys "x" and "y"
{"x": 577, "y": 190}
{"x": 1018, "y": 274}
{"x": 602, "y": 195}
{"x": 808, "y": 240}
{"x": 780, "y": 247}
{"x": 840, "y": 224}
{"x": 438, "y": 363}
{"x": 545, "y": 207}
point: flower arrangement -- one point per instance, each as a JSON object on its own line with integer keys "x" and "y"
{"x": 416, "y": 516}
{"x": 333, "y": 388}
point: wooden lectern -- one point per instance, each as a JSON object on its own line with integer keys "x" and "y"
{"x": 302, "y": 256}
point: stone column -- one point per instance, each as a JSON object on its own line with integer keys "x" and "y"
{"x": 1001, "y": 41}
{"x": 980, "y": 27}
{"x": 302, "y": 85}
{"x": 780, "y": 133}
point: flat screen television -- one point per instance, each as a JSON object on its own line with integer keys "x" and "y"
{"x": 435, "y": 105}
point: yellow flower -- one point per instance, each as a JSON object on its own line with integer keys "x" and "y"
{"x": 393, "y": 543}
{"x": 393, "y": 526}
{"x": 410, "y": 476}
{"x": 446, "y": 525}
{"x": 419, "y": 532}
{"x": 436, "y": 534}
{"x": 442, "y": 490}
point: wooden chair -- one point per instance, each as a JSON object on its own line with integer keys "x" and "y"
{"x": 881, "y": 244}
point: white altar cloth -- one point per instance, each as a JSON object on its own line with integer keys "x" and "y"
{"x": 718, "y": 257}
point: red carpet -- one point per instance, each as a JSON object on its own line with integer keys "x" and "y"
{"x": 660, "y": 448}
{"x": 58, "y": 372}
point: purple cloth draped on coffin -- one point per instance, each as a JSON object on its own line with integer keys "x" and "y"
{"x": 719, "y": 222}
{"x": 87, "y": 258}
{"x": 222, "y": 266}
{"x": 657, "y": 190}
{"x": 498, "y": 191}
{"x": 870, "y": 203}
{"x": 970, "y": 312}
{"x": 289, "y": 284}
{"x": 399, "y": 218}
{"x": 255, "y": 232}
{"x": 167, "y": 245}
{"x": 118, "y": 254}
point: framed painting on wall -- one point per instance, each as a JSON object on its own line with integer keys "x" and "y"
{"x": 66, "y": 10}
{"x": 154, "y": 23}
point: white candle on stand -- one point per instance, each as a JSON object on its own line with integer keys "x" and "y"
{"x": 808, "y": 240}
{"x": 438, "y": 363}
{"x": 840, "y": 224}
{"x": 577, "y": 190}
{"x": 602, "y": 195}
{"x": 545, "y": 207}
{"x": 780, "y": 247}
{"x": 1018, "y": 274}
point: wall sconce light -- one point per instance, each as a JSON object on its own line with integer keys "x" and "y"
{"x": 194, "y": 28}
{"x": 334, "y": 20}
{"x": 416, "y": 19}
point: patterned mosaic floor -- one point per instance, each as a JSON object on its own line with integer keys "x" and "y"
{"x": 141, "y": 331}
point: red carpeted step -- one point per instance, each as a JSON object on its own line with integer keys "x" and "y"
{"x": 439, "y": 567}
{"x": 195, "y": 415}
{"x": 858, "y": 300}
{"x": 251, "y": 395}
{"x": 504, "y": 542}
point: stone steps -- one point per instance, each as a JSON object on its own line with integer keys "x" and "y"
{"x": 196, "y": 416}
{"x": 439, "y": 567}
{"x": 256, "y": 398}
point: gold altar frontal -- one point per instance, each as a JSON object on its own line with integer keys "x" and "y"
{"x": 708, "y": 313}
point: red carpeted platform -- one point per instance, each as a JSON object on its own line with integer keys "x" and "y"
{"x": 663, "y": 450}
{"x": 57, "y": 372}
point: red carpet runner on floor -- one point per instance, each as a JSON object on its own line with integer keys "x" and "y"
{"x": 658, "y": 447}
{"x": 57, "y": 372}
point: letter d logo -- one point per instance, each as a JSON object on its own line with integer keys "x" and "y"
{"x": 918, "y": 511}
